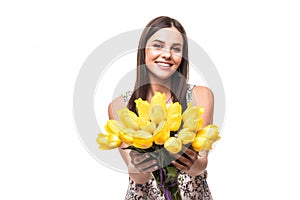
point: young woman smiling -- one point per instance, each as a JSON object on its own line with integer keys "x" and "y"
{"x": 162, "y": 66}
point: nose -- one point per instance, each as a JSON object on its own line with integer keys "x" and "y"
{"x": 166, "y": 53}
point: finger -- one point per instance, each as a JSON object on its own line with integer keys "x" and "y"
{"x": 180, "y": 166}
{"x": 190, "y": 153}
{"x": 182, "y": 161}
{"x": 182, "y": 157}
{"x": 150, "y": 169}
{"x": 148, "y": 166}
{"x": 133, "y": 153}
{"x": 185, "y": 161}
{"x": 139, "y": 158}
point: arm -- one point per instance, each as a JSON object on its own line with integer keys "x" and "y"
{"x": 139, "y": 166}
{"x": 195, "y": 163}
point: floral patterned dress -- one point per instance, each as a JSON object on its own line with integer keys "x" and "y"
{"x": 191, "y": 188}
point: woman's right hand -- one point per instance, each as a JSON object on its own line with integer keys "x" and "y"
{"x": 143, "y": 162}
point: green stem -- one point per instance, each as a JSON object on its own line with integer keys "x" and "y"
{"x": 167, "y": 183}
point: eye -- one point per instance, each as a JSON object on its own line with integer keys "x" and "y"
{"x": 159, "y": 46}
{"x": 176, "y": 49}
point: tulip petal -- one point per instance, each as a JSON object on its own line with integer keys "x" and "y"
{"x": 143, "y": 108}
{"x": 126, "y": 135}
{"x": 150, "y": 128}
{"x": 192, "y": 112}
{"x": 157, "y": 114}
{"x": 174, "y": 108}
{"x": 210, "y": 131}
{"x": 192, "y": 124}
{"x": 186, "y": 136}
{"x": 173, "y": 145}
{"x": 202, "y": 144}
{"x": 108, "y": 141}
{"x": 159, "y": 98}
{"x": 142, "y": 139}
{"x": 113, "y": 127}
{"x": 174, "y": 116}
{"x": 128, "y": 118}
{"x": 162, "y": 133}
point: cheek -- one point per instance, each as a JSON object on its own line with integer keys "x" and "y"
{"x": 177, "y": 59}
{"x": 151, "y": 54}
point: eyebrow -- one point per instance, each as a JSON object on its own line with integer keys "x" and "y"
{"x": 175, "y": 44}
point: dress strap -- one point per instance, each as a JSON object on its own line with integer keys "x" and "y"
{"x": 189, "y": 93}
{"x": 126, "y": 96}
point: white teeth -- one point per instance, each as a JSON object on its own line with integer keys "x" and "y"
{"x": 164, "y": 64}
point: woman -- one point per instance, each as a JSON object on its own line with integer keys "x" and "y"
{"x": 162, "y": 66}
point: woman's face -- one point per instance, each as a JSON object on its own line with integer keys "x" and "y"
{"x": 164, "y": 52}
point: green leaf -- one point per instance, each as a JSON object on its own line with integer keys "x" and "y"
{"x": 172, "y": 171}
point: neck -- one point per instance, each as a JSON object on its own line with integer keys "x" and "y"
{"x": 160, "y": 88}
{"x": 160, "y": 85}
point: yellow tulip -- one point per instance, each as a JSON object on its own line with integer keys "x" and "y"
{"x": 173, "y": 145}
{"x": 143, "y": 108}
{"x": 174, "y": 122}
{"x": 126, "y": 135}
{"x": 113, "y": 127}
{"x": 174, "y": 116}
{"x": 206, "y": 137}
{"x": 150, "y": 128}
{"x": 142, "y": 122}
{"x": 174, "y": 108}
{"x": 142, "y": 139}
{"x": 211, "y": 132}
{"x": 159, "y": 99}
{"x": 162, "y": 133}
{"x": 202, "y": 144}
{"x": 128, "y": 118}
{"x": 192, "y": 112}
{"x": 200, "y": 124}
{"x": 108, "y": 141}
{"x": 157, "y": 114}
{"x": 192, "y": 124}
{"x": 186, "y": 136}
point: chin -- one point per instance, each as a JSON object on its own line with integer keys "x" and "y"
{"x": 163, "y": 76}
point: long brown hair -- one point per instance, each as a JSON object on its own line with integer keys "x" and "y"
{"x": 178, "y": 79}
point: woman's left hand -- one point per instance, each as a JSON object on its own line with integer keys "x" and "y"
{"x": 185, "y": 159}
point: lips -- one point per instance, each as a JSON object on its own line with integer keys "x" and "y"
{"x": 164, "y": 64}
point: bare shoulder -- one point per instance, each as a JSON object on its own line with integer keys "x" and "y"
{"x": 115, "y": 105}
{"x": 202, "y": 95}
{"x": 202, "y": 90}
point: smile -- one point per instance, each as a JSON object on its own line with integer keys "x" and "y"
{"x": 164, "y": 64}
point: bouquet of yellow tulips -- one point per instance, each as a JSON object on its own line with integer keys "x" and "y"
{"x": 160, "y": 128}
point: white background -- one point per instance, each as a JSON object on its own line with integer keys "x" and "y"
{"x": 255, "y": 46}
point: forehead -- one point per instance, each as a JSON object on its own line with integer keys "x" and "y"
{"x": 167, "y": 35}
